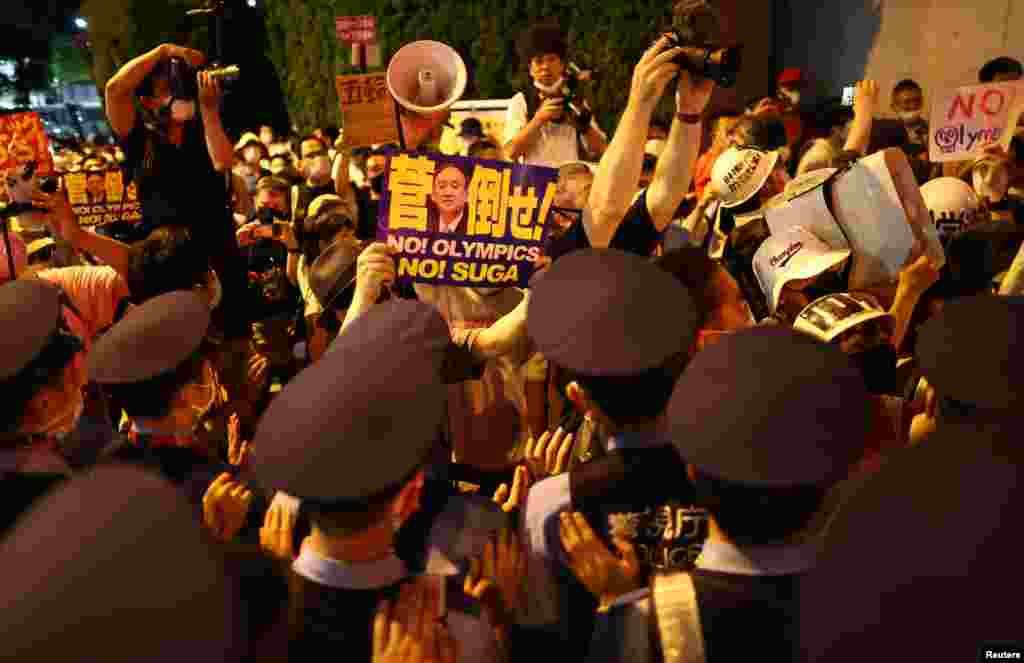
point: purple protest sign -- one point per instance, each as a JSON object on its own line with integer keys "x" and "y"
{"x": 465, "y": 222}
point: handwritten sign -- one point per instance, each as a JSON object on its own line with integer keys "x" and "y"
{"x": 101, "y": 197}
{"x": 356, "y": 29}
{"x": 367, "y": 109}
{"x": 23, "y": 138}
{"x": 465, "y": 222}
{"x": 969, "y": 118}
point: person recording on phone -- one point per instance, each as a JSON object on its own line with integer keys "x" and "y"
{"x": 540, "y": 127}
{"x": 177, "y": 152}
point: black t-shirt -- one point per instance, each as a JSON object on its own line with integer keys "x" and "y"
{"x": 179, "y": 186}
{"x": 307, "y": 194}
{"x": 636, "y": 234}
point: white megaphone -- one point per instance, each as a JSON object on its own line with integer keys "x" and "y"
{"x": 426, "y": 77}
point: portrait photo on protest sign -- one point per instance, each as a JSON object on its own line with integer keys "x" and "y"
{"x": 467, "y": 222}
{"x": 101, "y": 196}
{"x": 966, "y": 119}
{"x": 22, "y": 139}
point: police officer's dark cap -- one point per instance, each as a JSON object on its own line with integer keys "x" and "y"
{"x": 770, "y": 406}
{"x": 113, "y": 566}
{"x": 921, "y": 559}
{"x": 972, "y": 351}
{"x": 357, "y": 423}
{"x": 151, "y": 339}
{"x": 604, "y": 312}
{"x": 334, "y": 271}
{"x": 29, "y": 315}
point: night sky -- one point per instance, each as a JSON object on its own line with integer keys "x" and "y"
{"x": 27, "y": 25}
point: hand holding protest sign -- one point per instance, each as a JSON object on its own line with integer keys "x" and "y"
{"x": 99, "y": 197}
{"x": 465, "y": 222}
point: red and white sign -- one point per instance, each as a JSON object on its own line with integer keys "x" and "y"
{"x": 356, "y": 29}
{"x": 967, "y": 119}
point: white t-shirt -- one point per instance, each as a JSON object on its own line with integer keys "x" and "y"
{"x": 556, "y": 144}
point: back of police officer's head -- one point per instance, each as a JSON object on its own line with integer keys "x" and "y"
{"x": 387, "y": 510}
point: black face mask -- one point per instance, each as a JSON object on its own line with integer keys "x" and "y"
{"x": 377, "y": 184}
{"x": 878, "y": 366}
{"x": 267, "y": 215}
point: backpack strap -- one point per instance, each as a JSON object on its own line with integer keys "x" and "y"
{"x": 677, "y": 618}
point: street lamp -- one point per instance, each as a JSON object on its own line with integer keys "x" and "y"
{"x": 81, "y": 23}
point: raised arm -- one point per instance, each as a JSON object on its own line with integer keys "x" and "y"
{"x": 677, "y": 163}
{"x": 864, "y": 105}
{"x": 619, "y": 171}
{"x": 217, "y": 143}
{"x": 120, "y": 90}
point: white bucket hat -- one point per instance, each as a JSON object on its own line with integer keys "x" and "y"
{"x": 792, "y": 255}
{"x": 739, "y": 173}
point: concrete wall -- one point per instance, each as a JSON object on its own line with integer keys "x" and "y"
{"x": 939, "y": 43}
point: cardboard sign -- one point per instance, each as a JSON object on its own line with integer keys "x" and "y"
{"x": 367, "y": 109}
{"x": 967, "y": 119}
{"x": 98, "y": 198}
{"x": 465, "y": 222}
{"x": 23, "y": 138}
{"x": 356, "y": 29}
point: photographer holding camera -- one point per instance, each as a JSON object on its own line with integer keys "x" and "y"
{"x": 542, "y": 126}
{"x": 180, "y": 158}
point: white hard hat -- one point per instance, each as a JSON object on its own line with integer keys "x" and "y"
{"x": 794, "y": 254}
{"x": 952, "y": 203}
{"x": 739, "y": 173}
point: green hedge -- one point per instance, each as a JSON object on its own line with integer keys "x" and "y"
{"x": 609, "y": 36}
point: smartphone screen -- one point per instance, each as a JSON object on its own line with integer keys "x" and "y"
{"x": 848, "y": 93}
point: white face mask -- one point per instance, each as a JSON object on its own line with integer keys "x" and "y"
{"x": 910, "y": 116}
{"x": 550, "y": 90}
{"x": 792, "y": 96}
{"x": 319, "y": 168}
{"x": 183, "y": 111}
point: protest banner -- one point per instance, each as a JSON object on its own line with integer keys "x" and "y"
{"x": 490, "y": 112}
{"x": 465, "y": 222}
{"x": 101, "y": 197}
{"x": 968, "y": 118}
{"x": 367, "y": 109}
{"x": 23, "y": 138}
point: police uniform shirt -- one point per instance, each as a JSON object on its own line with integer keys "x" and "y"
{"x": 746, "y": 601}
{"x": 638, "y": 491}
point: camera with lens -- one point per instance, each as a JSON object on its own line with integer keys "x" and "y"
{"x": 185, "y": 82}
{"x": 695, "y": 28}
{"x": 569, "y": 89}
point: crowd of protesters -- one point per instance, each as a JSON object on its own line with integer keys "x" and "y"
{"x": 230, "y": 431}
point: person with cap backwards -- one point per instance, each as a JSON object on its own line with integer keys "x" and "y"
{"x": 620, "y": 344}
{"x": 537, "y": 129}
{"x": 42, "y": 378}
{"x": 470, "y": 133}
{"x": 112, "y": 567}
{"x": 327, "y": 221}
{"x": 763, "y": 478}
{"x": 615, "y": 216}
{"x": 378, "y": 520}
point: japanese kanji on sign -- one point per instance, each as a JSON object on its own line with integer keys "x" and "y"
{"x": 356, "y": 29}
{"x": 466, "y": 222}
{"x": 102, "y": 197}
{"x": 367, "y": 109}
{"x": 22, "y": 139}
